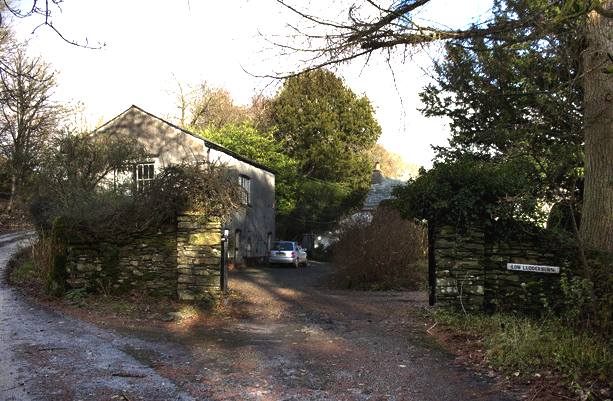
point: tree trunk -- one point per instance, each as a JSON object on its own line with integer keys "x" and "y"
{"x": 9, "y": 208}
{"x": 597, "y": 215}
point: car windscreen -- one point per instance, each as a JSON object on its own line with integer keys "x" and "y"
{"x": 283, "y": 246}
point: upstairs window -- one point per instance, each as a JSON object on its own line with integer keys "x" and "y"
{"x": 245, "y": 184}
{"x": 143, "y": 175}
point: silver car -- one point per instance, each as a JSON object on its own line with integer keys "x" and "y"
{"x": 287, "y": 252}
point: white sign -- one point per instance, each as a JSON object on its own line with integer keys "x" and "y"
{"x": 533, "y": 268}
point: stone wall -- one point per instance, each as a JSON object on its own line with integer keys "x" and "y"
{"x": 198, "y": 258}
{"x": 460, "y": 273}
{"x": 471, "y": 268}
{"x": 177, "y": 261}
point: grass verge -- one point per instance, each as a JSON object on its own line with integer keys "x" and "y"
{"x": 526, "y": 348}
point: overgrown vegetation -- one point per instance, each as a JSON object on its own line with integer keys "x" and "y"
{"x": 524, "y": 347}
{"x": 87, "y": 184}
{"x": 30, "y": 267}
{"x": 469, "y": 190}
{"x": 85, "y": 192}
{"x": 385, "y": 253}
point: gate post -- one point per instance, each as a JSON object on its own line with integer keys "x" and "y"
{"x": 431, "y": 265}
{"x": 223, "y": 268}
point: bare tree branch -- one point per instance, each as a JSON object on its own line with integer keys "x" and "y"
{"x": 373, "y": 28}
{"x": 45, "y": 12}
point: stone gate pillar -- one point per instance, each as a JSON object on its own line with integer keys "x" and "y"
{"x": 198, "y": 257}
{"x": 460, "y": 267}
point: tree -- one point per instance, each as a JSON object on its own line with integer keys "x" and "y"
{"x": 327, "y": 128}
{"x": 507, "y": 102}
{"x": 381, "y": 28}
{"x": 597, "y": 218}
{"x": 209, "y": 107}
{"x": 28, "y": 116}
{"x": 43, "y": 11}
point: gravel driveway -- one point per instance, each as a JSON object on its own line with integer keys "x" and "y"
{"x": 288, "y": 338}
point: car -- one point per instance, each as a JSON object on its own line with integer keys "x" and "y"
{"x": 287, "y": 252}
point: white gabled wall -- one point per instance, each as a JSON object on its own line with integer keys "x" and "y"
{"x": 169, "y": 145}
{"x": 258, "y": 219}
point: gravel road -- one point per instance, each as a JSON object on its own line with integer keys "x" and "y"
{"x": 288, "y": 338}
{"x": 48, "y": 356}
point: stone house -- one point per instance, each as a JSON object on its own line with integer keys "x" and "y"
{"x": 381, "y": 189}
{"x": 252, "y": 228}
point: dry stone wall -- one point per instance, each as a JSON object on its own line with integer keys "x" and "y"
{"x": 177, "y": 261}
{"x": 460, "y": 273}
{"x": 198, "y": 258}
{"x": 471, "y": 268}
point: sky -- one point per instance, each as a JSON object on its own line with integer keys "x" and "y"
{"x": 151, "y": 46}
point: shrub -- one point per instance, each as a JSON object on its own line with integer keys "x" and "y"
{"x": 106, "y": 213}
{"x": 386, "y": 253}
{"x": 31, "y": 266}
{"x": 469, "y": 190}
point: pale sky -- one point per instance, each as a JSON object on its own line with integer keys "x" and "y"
{"x": 151, "y": 45}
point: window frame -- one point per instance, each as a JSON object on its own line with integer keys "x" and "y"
{"x": 141, "y": 182}
{"x": 246, "y": 189}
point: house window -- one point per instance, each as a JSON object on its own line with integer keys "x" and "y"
{"x": 143, "y": 175}
{"x": 245, "y": 184}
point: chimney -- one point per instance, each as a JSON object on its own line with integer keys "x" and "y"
{"x": 377, "y": 175}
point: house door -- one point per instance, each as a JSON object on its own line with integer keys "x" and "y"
{"x": 238, "y": 258}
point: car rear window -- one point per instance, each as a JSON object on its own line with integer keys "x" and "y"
{"x": 283, "y": 246}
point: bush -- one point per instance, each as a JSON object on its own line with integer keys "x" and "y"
{"x": 469, "y": 190}
{"x": 105, "y": 213}
{"x": 386, "y": 253}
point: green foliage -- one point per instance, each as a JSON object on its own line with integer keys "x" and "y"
{"x": 76, "y": 295}
{"x": 513, "y": 97}
{"x": 577, "y": 298}
{"x": 23, "y": 272}
{"x": 325, "y": 126}
{"x": 263, "y": 148}
{"x": 522, "y": 346}
{"x": 328, "y": 130}
{"x": 319, "y": 205}
{"x": 469, "y": 190}
{"x": 318, "y": 141}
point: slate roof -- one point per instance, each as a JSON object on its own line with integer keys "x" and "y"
{"x": 380, "y": 192}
